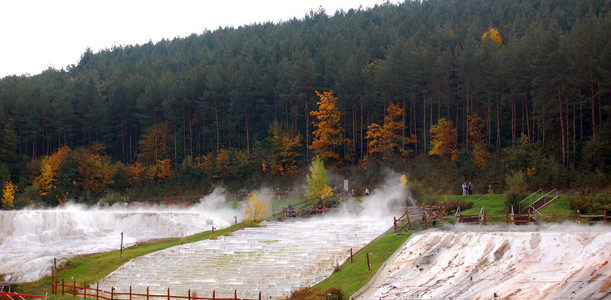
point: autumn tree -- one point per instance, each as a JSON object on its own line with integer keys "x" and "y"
{"x": 8, "y": 195}
{"x": 49, "y": 167}
{"x": 284, "y": 154}
{"x": 444, "y": 140}
{"x": 255, "y": 208}
{"x": 95, "y": 169}
{"x": 494, "y": 35}
{"x": 316, "y": 188}
{"x": 386, "y": 140}
{"x": 328, "y": 129}
{"x": 477, "y": 137}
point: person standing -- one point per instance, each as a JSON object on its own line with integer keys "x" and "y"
{"x": 470, "y": 188}
{"x": 464, "y": 188}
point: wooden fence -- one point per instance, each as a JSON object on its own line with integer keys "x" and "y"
{"x": 483, "y": 218}
{"x": 14, "y": 296}
{"x": 87, "y": 292}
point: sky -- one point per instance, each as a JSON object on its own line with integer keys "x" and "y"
{"x": 38, "y": 34}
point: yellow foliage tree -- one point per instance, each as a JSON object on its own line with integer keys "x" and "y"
{"x": 8, "y": 195}
{"x": 316, "y": 188}
{"x": 255, "y": 208}
{"x": 494, "y": 35}
{"x": 49, "y": 167}
{"x": 444, "y": 140}
{"x": 328, "y": 130}
{"x": 388, "y": 139}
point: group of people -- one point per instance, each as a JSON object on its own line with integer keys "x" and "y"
{"x": 467, "y": 188}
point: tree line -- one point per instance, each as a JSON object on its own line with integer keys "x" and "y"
{"x": 521, "y": 86}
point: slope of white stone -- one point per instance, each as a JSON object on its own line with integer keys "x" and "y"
{"x": 508, "y": 262}
{"x": 276, "y": 258}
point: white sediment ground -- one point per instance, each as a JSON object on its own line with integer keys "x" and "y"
{"x": 499, "y": 262}
{"x": 30, "y": 240}
{"x": 274, "y": 259}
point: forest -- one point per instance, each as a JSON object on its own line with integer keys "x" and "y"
{"x": 445, "y": 91}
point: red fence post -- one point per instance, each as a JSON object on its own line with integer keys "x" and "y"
{"x": 97, "y": 291}
{"x": 259, "y": 295}
{"x": 235, "y": 294}
{"x": 73, "y": 287}
{"x": 63, "y": 287}
{"x": 213, "y": 294}
{"x": 395, "y": 222}
{"x": 147, "y": 293}
{"x": 85, "y": 289}
{"x": 130, "y": 292}
{"x": 112, "y": 292}
{"x": 168, "y": 293}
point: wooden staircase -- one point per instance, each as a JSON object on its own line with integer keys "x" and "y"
{"x": 533, "y": 207}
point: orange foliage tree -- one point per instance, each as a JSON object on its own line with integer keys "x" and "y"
{"x": 284, "y": 152}
{"x": 387, "y": 139}
{"x": 494, "y": 35}
{"x": 49, "y": 166}
{"x": 94, "y": 168}
{"x": 328, "y": 131}
{"x": 444, "y": 140}
{"x": 477, "y": 136}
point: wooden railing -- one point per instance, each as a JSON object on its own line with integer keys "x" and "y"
{"x": 14, "y": 296}
{"x": 87, "y": 292}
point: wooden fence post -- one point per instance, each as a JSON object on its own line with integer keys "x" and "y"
{"x": 85, "y": 289}
{"x": 73, "y": 288}
{"x": 147, "y": 293}
{"x": 97, "y": 291}
{"x": 112, "y": 292}
{"x": 529, "y": 216}
{"x": 213, "y": 294}
{"x": 235, "y": 294}
{"x": 63, "y": 287}
{"x": 168, "y": 293}
{"x": 259, "y": 295}
{"x": 130, "y": 292}
{"x": 484, "y": 217}
{"x": 395, "y": 222}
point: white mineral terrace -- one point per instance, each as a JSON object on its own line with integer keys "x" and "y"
{"x": 30, "y": 240}
{"x": 505, "y": 262}
{"x": 276, "y": 258}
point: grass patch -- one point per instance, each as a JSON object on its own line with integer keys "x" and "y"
{"x": 351, "y": 276}
{"x": 93, "y": 267}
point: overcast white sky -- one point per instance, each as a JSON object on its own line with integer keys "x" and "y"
{"x": 37, "y": 34}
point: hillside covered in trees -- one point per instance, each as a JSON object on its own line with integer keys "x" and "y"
{"x": 445, "y": 90}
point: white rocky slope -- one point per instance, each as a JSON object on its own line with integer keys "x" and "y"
{"x": 508, "y": 262}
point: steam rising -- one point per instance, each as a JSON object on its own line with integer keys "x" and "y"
{"x": 31, "y": 239}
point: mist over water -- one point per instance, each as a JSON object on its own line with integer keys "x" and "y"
{"x": 31, "y": 239}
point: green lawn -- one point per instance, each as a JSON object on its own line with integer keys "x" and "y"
{"x": 351, "y": 276}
